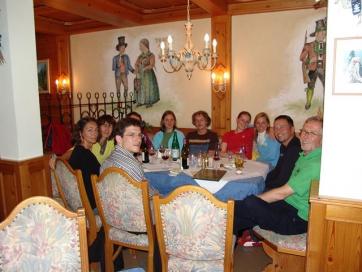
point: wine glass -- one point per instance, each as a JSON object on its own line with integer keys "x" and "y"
{"x": 161, "y": 149}
{"x": 165, "y": 154}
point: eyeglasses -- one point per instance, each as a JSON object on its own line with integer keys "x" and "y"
{"x": 134, "y": 135}
{"x": 309, "y": 133}
{"x": 281, "y": 127}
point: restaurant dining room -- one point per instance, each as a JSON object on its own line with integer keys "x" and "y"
{"x": 180, "y": 135}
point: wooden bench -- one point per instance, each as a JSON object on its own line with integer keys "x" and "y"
{"x": 287, "y": 251}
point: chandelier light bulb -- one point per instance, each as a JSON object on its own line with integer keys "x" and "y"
{"x": 213, "y": 77}
{"x": 206, "y": 39}
{"x": 214, "y": 44}
{"x": 188, "y": 57}
{"x": 169, "y": 40}
{"x": 162, "y": 45}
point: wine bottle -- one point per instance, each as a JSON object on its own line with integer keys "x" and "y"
{"x": 144, "y": 150}
{"x": 185, "y": 155}
{"x": 175, "y": 148}
{"x": 217, "y": 152}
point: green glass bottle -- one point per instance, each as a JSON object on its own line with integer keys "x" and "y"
{"x": 185, "y": 155}
{"x": 175, "y": 148}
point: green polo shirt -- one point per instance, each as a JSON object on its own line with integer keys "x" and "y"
{"x": 306, "y": 169}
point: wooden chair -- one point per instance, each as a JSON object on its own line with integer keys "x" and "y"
{"x": 41, "y": 235}
{"x": 72, "y": 191}
{"x": 287, "y": 251}
{"x": 124, "y": 207}
{"x": 55, "y": 191}
{"x": 194, "y": 230}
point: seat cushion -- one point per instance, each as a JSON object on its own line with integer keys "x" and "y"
{"x": 293, "y": 242}
{"x": 182, "y": 265}
{"x": 127, "y": 237}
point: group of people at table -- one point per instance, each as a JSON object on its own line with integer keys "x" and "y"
{"x": 294, "y": 161}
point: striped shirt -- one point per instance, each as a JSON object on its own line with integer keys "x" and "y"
{"x": 125, "y": 160}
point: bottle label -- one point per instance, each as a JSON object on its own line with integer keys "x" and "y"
{"x": 143, "y": 156}
{"x": 175, "y": 153}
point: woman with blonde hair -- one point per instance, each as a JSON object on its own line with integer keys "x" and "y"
{"x": 267, "y": 146}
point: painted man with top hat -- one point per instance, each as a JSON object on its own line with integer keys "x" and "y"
{"x": 313, "y": 57}
{"x": 121, "y": 66}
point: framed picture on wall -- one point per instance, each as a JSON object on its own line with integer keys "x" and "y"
{"x": 347, "y": 66}
{"x": 43, "y": 76}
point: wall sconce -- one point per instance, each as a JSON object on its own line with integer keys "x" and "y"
{"x": 62, "y": 83}
{"x": 219, "y": 79}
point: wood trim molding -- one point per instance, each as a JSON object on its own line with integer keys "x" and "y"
{"x": 22, "y": 179}
{"x": 213, "y": 7}
{"x": 221, "y": 104}
{"x": 98, "y": 10}
{"x": 250, "y": 7}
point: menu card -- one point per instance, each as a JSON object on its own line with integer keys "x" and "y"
{"x": 210, "y": 174}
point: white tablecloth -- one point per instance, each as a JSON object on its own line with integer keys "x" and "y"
{"x": 251, "y": 169}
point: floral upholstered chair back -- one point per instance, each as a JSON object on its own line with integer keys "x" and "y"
{"x": 121, "y": 202}
{"x": 194, "y": 229}
{"x": 41, "y": 235}
{"x": 55, "y": 192}
{"x": 67, "y": 181}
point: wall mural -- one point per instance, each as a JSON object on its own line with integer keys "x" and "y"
{"x": 303, "y": 93}
{"x": 313, "y": 58}
{"x": 121, "y": 65}
{"x": 146, "y": 90}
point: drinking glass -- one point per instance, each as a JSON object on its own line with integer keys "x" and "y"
{"x": 165, "y": 154}
{"x": 162, "y": 149}
{"x": 239, "y": 161}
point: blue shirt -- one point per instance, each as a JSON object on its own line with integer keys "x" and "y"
{"x": 269, "y": 151}
{"x": 157, "y": 139}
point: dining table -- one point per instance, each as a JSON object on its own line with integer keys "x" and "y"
{"x": 236, "y": 184}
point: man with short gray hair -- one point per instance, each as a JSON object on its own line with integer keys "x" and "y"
{"x": 285, "y": 210}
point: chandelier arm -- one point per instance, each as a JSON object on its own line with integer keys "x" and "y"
{"x": 188, "y": 57}
{"x": 172, "y": 68}
{"x": 207, "y": 67}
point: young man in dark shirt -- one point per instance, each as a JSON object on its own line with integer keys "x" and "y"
{"x": 289, "y": 152}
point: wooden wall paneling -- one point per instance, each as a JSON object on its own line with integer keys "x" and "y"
{"x": 221, "y": 103}
{"x": 63, "y": 54}
{"x": 46, "y": 48}
{"x": 10, "y": 189}
{"x": 22, "y": 179}
{"x": 334, "y": 235}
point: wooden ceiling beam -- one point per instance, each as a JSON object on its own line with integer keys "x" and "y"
{"x": 98, "y": 10}
{"x": 88, "y": 27}
{"x": 43, "y": 25}
{"x": 172, "y": 16}
{"x": 268, "y": 6}
{"x": 42, "y": 10}
{"x": 213, "y": 7}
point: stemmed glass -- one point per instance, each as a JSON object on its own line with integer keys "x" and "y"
{"x": 161, "y": 149}
{"x": 165, "y": 154}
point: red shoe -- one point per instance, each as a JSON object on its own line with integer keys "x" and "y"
{"x": 245, "y": 240}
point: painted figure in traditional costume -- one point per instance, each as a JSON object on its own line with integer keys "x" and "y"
{"x": 313, "y": 58}
{"x": 146, "y": 86}
{"x": 121, "y": 66}
{"x": 354, "y": 75}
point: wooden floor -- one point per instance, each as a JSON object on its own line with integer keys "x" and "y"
{"x": 246, "y": 259}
